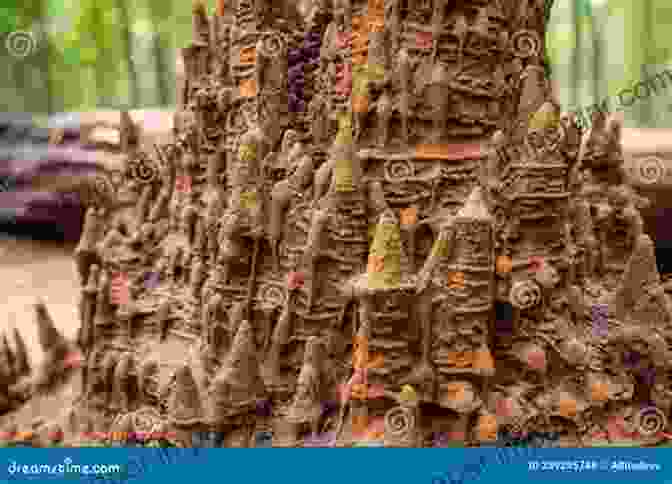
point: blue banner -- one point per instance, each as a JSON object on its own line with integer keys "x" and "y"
{"x": 337, "y": 466}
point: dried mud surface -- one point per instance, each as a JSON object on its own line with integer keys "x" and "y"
{"x": 30, "y": 269}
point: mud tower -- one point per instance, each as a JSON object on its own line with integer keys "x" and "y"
{"x": 380, "y": 205}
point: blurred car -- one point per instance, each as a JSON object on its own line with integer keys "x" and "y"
{"x": 43, "y": 168}
{"x": 648, "y": 162}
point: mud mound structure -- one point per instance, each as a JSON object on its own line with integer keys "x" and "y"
{"x": 376, "y": 224}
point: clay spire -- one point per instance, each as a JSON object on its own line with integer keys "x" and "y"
{"x": 238, "y": 384}
{"x": 9, "y": 356}
{"x": 279, "y": 338}
{"x": 129, "y": 137}
{"x": 243, "y": 356}
{"x": 121, "y": 384}
{"x": 147, "y": 372}
{"x": 48, "y": 335}
{"x": 184, "y": 405}
{"x": 475, "y": 207}
{"x": 640, "y": 277}
{"x": 547, "y": 116}
{"x": 200, "y": 24}
{"x": 22, "y": 362}
{"x": 307, "y": 403}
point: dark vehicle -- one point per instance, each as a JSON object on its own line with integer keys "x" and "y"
{"x": 30, "y": 171}
{"x": 44, "y": 169}
{"x": 648, "y": 163}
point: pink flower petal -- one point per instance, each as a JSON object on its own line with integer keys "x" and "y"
{"x": 295, "y": 280}
{"x": 73, "y": 360}
{"x": 537, "y": 360}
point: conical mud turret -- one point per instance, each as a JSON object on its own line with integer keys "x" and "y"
{"x": 49, "y": 337}
{"x": 238, "y": 384}
{"x": 8, "y": 359}
{"x": 384, "y": 267}
{"x": 22, "y": 361}
{"x": 307, "y": 403}
{"x": 184, "y": 407}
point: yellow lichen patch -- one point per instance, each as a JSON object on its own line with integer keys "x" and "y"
{"x": 249, "y": 200}
{"x": 544, "y": 118}
{"x": 408, "y": 394}
{"x": 372, "y": 232}
{"x": 345, "y": 128}
{"x": 441, "y": 247}
{"x": 384, "y": 269}
{"x": 247, "y": 152}
{"x": 343, "y": 174}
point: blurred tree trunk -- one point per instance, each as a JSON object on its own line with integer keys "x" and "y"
{"x": 44, "y": 54}
{"x": 99, "y": 70}
{"x": 158, "y": 14}
{"x": 127, "y": 47}
{"x": 548, "y": 8}
{"x": 596, "y": 37}
{"x": 20, "y": 81}
{"x": 576, "y": 55}
{"x": 648, "y": 67}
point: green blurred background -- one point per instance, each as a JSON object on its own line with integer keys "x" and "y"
{"x": 110, "y": 54}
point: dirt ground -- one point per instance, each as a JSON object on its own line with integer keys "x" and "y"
{"x": 30, "y": 269}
